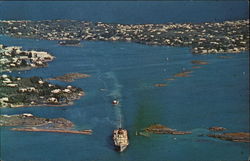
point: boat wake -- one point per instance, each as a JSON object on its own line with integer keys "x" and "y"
{"x": 112, "y": 86}
{"x": 116, "y": 94}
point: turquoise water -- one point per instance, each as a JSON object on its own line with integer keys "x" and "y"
{"x": 214, "y": 95}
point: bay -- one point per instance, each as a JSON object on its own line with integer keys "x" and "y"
{"x": 214, "y": 95}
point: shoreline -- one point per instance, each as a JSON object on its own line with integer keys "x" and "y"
{"x": 202, "y": 38}
{"x": 84, "y": 132}
{"x": 47, "y": 105}
{"x": 14, "y": 58}
{"x": 19, "y": 92}
{"x": 32, "y": 91}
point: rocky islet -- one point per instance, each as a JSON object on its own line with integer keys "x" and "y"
{"x": 243, "y": 137}
{"x": 161, "y": 129}
{"x": 235, "y": 137}
{"x": 70, "y": 77}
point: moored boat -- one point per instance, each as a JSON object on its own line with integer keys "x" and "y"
{"x": 69, "y": 42}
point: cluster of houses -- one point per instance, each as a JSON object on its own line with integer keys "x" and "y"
{"x": 39, "y": 93}
{"x": 19, "y": 92}
{"x": 203, "y": 38}
{"x": 14, "y": 58}
{"x": 6, "y": 82}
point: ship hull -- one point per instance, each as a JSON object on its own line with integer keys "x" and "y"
{"x": 121, "y": 148}
{"x": 120, "y": 137}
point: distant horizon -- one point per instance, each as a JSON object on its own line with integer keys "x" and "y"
{"x": 126, "y": 12}
{"x": 120, "y": 23}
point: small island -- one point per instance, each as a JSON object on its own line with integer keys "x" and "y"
{"x": 217, "y": 128}
{"x": 70, "y": 77}
{"x": 31, "y": 123}
{"x": 236, "y": 137}
{"x": 161, "y": 129}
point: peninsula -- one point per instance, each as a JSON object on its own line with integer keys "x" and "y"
{"x": 14, "y": 58}
{"x": 31, "y": 123}
{"x": 202, "y": 38}
{"x": 34, "y": 91}
{"x": 29, "y": 120}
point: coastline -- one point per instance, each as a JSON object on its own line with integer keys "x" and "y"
{"x": 202, "y": 38}
{"x": 13, "y": 58}
{"x": 174, "y": 133}
{"x": 48, "y": 105}
{"x": 33, "y": 91}
{"x": 31, "y": 123}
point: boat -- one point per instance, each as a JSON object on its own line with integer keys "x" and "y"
{"x": 69, "y": 42}
{"x": 120, "y": 137}
{"x": 115, "y": 102}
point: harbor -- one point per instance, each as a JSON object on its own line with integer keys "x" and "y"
{"x": 124, "y": 99}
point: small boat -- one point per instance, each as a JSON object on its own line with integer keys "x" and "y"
{"x": 115, "y": 102}
{"x": 69, "y": 42}
{"x": 120, "y": 137}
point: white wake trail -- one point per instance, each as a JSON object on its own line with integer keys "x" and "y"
{"x": 116, "y": 94}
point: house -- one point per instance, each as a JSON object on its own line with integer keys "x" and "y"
{"x": 56, "y": 91}
{"x": 52, "y": 100}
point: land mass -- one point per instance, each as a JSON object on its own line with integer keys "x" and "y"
{"x": 14, "y": 58}
{"x": 70, "y": 77}
{"x": 29, "y": 120}
{"x": 236, "y": 137}
{"x": 34, "y": 91}
{"x": 203, "y": 38}
{"x": 32, "y": 123}
{"x": 161, "y": 129}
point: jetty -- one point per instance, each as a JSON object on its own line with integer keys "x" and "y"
{"x": 84, "y": 132}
